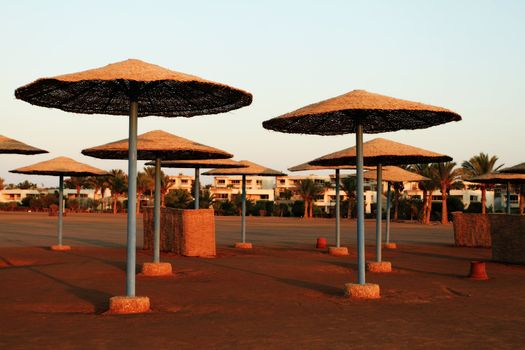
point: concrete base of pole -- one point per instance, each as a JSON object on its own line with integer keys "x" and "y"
{"x": 338, "y": 251}
{"x": 241, "y": 245}
{"x": 60, "y": 248}
{"x": 383, "y": 266}
{"x": 362, "y": 291}
{"x": 390, "y": 246}
{"x": 157, "y": 269}
{"x": 128, "y": 305}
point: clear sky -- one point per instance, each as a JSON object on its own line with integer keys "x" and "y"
{"x": 467, "y": 56}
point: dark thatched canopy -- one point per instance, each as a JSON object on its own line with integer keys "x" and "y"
{"x": 201, "y": 163}
{"x": 251, "y": 169}
{"x": 8, "y": 145}
{"x": 60, "y": 166}
{"x": 499, "y": 178}
{"x": 157, "y": 144}
{"x": 395, "y": 174}
{"x": 159, "y": 91}
{"x": 516, "y": 169}
{"x": 307, "y": 166}
{"x": 382, "y": 151}
{"x": 377, "y": 113}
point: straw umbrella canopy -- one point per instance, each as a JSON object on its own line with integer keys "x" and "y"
{"x": 516, "y": 169}
{"x": 197, "y": 165}
{"x": 356, "y": 112}
{"x": 12, "y": 146}
{"x": 157, "y": 145}
{"x": 61, "y": 166}
{"x": 501, "y": 178}
{"x": 250, "y": 169}
{"x": 133, "y": 88}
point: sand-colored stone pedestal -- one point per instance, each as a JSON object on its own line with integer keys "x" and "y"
{"x": 241, "y": 245}
{"x": 390, "y": 246}
{"x": 157, "y": 269}
{"x": 128, "y": 305}
{"x": 383, "y": 266}
{"x": 338, "y": 251}
{"x": 362, "y": 291}
{"x": 60, "y": 248}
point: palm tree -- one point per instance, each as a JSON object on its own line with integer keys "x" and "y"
{"x": 348, "y": 185}
{"x": 478, "y": 165}
{"x": 143, "y": 185}
{"x": 77, "y": 182}
{"x": 1, "y": 183}
{"x": 308, "y": 190}
{"x": 118, "y": 184}
{"x": 428, "y": 187}
{"x": 179, "y": 199}
{"x": 447, "y": 176}
{"x": 165, "y": 184}
{"x": 398, "y": 188}
{"x": 206, "y": 199}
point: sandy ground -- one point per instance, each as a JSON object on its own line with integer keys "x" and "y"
{"x": 283, "y": 294}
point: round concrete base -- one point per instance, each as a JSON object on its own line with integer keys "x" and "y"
{"x": 383, "y": 266}
{"x": 362, "y": 291}
{"x": 157, "y": 269}
{"x": 390, "y": 246}
{"x": 241, "y": 245}
{"x": 338, "y": 251}
{"x": 60, "y": 248}
{"x": 128, "y": 305}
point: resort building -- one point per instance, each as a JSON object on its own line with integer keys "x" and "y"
{"x": 257, "y": 187}
{"x": 182, "y": 182}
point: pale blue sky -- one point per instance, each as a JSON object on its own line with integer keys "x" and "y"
{"x": 467, "y": 56}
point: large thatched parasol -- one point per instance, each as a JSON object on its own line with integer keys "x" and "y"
{"x": 516, "y": 169}
{"x": 501, "y": 178}
{"x": 197, "y": 165}
{"x": 133, "y": 88}
{"x": 356, "y": 112}
{"x": 12, "y": 146}
{"x": 61, "y": 166}
{"x": 157, "y": 145}
{"x": 250, "y": 169}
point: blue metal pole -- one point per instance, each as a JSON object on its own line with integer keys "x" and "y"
{"x": 156, "y": 213}
{"x": 360, "y": 204}
{"x": 132, "y": 200}
{"x": 197, "y": 187}
{"x": 387, "y": 228}
{"x": 337, "y": 210}
{"x": 508, "y": 198}
{"x": 60, "y": 206}
{"x": 379, "y": 210}
{"x": 243, "y": 220}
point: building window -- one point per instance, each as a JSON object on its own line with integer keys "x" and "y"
{"x": 221, "y": 195}
{"x": 473, "y": 198}
{"x": 282, "y": 182}
{"x": 184, "y": 181}
{"x": 221, "y": 182}
{"x": 265, "y": 196}
{"x": 437, "y": 198}
{"x": 236, "y": 181}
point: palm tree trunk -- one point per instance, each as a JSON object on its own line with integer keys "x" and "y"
{"x": 311, "y": 208}
{"x": 429, "y": 207}
{"x": 483, "y": 199}
{"x": 305, "y": 216}
{"x": 425, "y": 204}
{"x": 522, "y": 199}
{"x": 444, "y": 209}
{"x": 139, "y": 195}
{"x": 396, "y": 203}
{"x": 115, "y": 200}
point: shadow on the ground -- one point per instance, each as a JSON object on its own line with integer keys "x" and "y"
{"x": 121, "y": 265}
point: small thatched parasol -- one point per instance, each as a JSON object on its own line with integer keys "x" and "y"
{"x": 8, "y": 145}
{"x": 516, "y": 169}
{"x": 250, "y": 169}
{"x": 501, "y": 178}
{"x": 396, "y": 174}
{"x": 61, "y": 166}
{"x": 356, "y": 112}
{"x": 133, "y": 88}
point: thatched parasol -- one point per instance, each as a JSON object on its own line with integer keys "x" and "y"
{"x": 133, "y": 88}
{"x": 157, "y": 145}
{"x": 250, "y": 169}
{"x": 356, "y": 112}
{"x": 396, "y": 174}
{"x": 61, "y": 166}
{"x": 12, "y": 146}
{"x": 197, "y": 165}
{"x": 516, "y": 169}
{"x": 501, "y": 178}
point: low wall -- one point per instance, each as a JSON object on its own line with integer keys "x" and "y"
{"x": 188, "y": 232}
{"x": 508, "y": 238}
{"x": 471, "y": 230}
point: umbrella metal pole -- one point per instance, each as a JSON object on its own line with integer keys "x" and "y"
{"x": 379, "y": 210}
{"x": 132, "y": 200}
{"x": 156, "y": 216}
{"x": 508, "y": 198}
{"x": 360, "y": 205}
{"x": 243, "y": 220}
{"x": 197, "y": 187}
{"x": 387, "y": 228}
{"x": 337, "y": 211}
{"x": 60, "y": 207}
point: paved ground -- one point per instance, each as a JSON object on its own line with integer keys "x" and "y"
{"x": 282, "y": 295}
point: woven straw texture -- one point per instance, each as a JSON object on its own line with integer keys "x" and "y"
{"x": 516, "y": 169}
{"x": 8, "y": 145}
{"x": 377, "y": 113}
{"x": 159, "y": 91}
{"x": 307, "y": 166}
{"x": 250, "y": 169}
{"x": 395, "y": 174}
{"x": 498, "y": 178}
{"x": 157, "y": 144}
{"x": 382, "y": 151}
{"x": 202, "y": 163}
{"x": 60, "y": 166}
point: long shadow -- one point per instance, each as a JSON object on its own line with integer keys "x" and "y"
{"x": 325, "y": 289}
{"x": 95, "y": 242}
{"x": 121, "y": 265}
{"x": 443, "y": 274}
{"x": 440, "y": 256}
